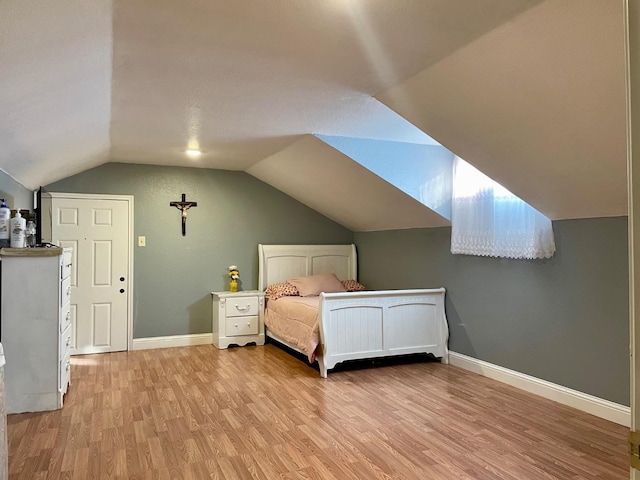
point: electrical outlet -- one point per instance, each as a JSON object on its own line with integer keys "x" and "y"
{"x": 142, "y": 241}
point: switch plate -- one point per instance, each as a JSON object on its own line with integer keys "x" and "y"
{"x": 142, "y": 241}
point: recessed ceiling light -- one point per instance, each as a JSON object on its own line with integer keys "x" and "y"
{"x": 193, "y": 153}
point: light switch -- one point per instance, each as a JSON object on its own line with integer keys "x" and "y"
{"x": 142, "y": 241}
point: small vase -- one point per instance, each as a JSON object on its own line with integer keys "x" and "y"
{"x": 233, "y": 286}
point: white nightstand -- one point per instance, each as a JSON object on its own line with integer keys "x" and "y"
{"x": 238, "y": 318}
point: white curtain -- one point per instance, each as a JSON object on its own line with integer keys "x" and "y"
{"x": 488, "y": 220}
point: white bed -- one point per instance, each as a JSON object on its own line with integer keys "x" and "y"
{"x": 359, "y": 325}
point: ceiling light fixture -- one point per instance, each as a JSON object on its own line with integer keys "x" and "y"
{"x": 193, "y": 153}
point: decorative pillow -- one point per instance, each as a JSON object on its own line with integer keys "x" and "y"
{"x": 316, "y": 284}
{"x": 353, "y": 286}
{"x": 282, "y": 289}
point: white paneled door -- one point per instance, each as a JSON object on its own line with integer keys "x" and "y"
{"x": 98, "y": 230}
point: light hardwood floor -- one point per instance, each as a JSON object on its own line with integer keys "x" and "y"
{"x": 258, "y": 412}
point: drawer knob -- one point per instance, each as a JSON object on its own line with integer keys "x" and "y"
{"x": 248, "y": 324}
{"x": 236, "y": 325}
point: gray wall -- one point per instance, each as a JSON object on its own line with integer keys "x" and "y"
{"x": 564, "y": 320}
{"x": 174, "y": 275}
{"x": 16, "y": 194}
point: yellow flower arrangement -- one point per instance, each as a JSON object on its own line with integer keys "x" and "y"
{"x": 234, "y": 276}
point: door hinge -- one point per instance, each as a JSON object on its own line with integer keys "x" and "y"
{"x": 634, "y": 449}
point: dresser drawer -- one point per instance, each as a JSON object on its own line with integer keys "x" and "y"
{"x": 65, "y": 342}
{"x": 65, "y": 317}
{"x": 242, "y": 306}
{"x": 65, "y": 372}
{"x": 66, "y": 264}
{"x": 236, "y": 326}
{"x": 65, "y": 291}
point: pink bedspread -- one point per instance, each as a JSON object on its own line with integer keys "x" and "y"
{"x": 295, "y": 320}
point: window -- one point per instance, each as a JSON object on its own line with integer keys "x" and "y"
{"x": 488, "y": 220}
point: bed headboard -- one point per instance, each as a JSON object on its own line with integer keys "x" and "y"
{"x": 279, "y": 263}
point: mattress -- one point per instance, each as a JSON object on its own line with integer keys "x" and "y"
{"x": 295, "y": 320}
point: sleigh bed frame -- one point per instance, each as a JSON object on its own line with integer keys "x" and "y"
{"x": 359, "y": 325}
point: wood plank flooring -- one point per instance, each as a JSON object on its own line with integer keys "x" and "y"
{"x": 258, "y": 412}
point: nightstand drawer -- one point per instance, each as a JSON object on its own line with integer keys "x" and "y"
{"x": 237, "y": 318}
{"x": 242, "y": 306}
{"x": 236, "y": 326}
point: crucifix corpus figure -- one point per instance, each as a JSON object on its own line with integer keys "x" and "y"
{"x": 184, "y": 206}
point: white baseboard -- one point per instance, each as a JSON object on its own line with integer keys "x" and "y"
{"x": 172, "y": 341}
{"x": 599, "y": 407}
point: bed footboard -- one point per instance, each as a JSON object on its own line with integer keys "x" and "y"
{"x": 360, "y": 325}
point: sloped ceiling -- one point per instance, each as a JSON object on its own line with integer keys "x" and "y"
{"x": 516, "y": 87}
{"x": 357, "y": 198}
{"x": 538, "y": 104}
{"x": 241, "y": 79}
{"x": 55, "y": 87}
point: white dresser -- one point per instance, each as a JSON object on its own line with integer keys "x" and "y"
{"x": 35, "y": 327}
{"x": 238, "y": 318}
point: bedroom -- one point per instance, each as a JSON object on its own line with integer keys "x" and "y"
{"x": 177, "y": 301}
{"x": 566, "y": 298}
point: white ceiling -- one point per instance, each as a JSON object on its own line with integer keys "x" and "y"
{"x": 531, "y": 92}
{"x": 361, "y": 201}
{"x": 243, "y": 78}
{"x": 538, "y": 104}
{"x": 55, "y": 87}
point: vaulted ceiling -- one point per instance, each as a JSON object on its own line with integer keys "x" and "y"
{"x": 529, "y": 91}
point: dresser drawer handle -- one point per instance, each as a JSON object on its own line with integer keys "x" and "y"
{"x": 243, "y": 309}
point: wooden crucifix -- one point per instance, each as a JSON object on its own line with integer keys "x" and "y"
{"x": 184, "y": 206}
